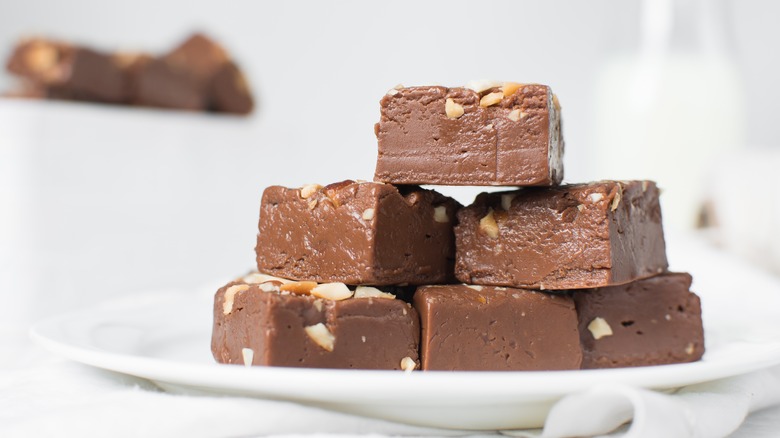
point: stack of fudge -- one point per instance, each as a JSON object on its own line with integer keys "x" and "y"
{"x": 197, "y": 75}
{"x": 387, "y": 275}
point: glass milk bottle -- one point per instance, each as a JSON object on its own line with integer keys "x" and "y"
{"x": 669, "y": 109}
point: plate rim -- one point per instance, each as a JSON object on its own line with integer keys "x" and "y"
{"x": 264, "y": 381}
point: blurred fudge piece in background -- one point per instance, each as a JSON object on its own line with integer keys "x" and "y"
{"x": 197, "y": 75}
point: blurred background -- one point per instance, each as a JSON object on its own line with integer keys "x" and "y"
{"x": 100, "y": 201}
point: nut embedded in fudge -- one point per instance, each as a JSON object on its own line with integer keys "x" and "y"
{"x": 568, "y": 237}
{"x": 484, "y": 328}
{"x": 69, "y": 72}
{"x": 261, "y": 320}
{"x": 357, "y": 233}
{"x": 490, "y": 134}
{"x": 653, "y": 321}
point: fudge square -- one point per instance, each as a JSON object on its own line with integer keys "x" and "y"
{"x": 568, "y": 237}
{"x": 261, "y": 320}
{"x": 492, "y": 133}
{"x": 181, "y": 79}
{"x": 648, "y": 322}
{"x": 357, "y": 233}
{"x": 68, "y": 71}
{"x": 484, "y": 328}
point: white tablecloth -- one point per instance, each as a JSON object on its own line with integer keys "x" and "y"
{"x": 42, "y": 395}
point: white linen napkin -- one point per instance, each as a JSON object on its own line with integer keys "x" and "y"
{"x": 62, "y": 398}
{"x": 707, "y": 410}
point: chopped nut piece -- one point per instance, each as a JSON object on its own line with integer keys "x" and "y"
{"x": 270, "y": 286}
{"x": 309, "y": 189}
{"x": 412, "y": 198}
{"x": 41, "y": 57}
{"x": 248, "y": 354}
{"x": 440, "y": 214}
{"x": 514, "y": 115}
{"x": 331, "y": 190}
{"x": 480, "y": 86}
{"x": 616, "y": 199}
{"x": 230, "y": 295}
{"x": 491, "y": 99}
{"x": 644, "y": 186}
{"x": 299, "y": 287}
{"x": 595, "y": 197}
{"x": 363, "y": 338}
{"x": 321, "y": 336}
{"x": 581, "y": 207}
{"x": 368, "y": 214}
{"x": 599, "y": 328}
{"x": 556, "y": 102}
{"x": 453, "y": 109}
{"x": 318, "y": 305}
{"x": 312, "y": 204}
{"x": 408, "y": 364}
{"x": 393, "y": 91}
{"x": 332, "y": 291}
{"x": 488, "y": 225}
{"x": 689, "y": 348}
{"x": 510, "y": 88}
{"x": 371, "y": 292}
{"x": 475, "y": 287}
{"x": 257, "y": 278}
{"x": 506, "y": 201}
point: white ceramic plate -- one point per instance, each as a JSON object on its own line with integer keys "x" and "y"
{"x": 166, "y": 338}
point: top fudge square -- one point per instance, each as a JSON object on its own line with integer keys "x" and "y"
{"x": 357, "y": 233}
{"x": 489, "y": 134}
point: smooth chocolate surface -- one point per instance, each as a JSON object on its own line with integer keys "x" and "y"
{"x": 507, "y": 134}
{"x": 650, "y": 322}
{"x": 69, "y": 71}
{"x": 569, "y": 237}
{"x": 484, "y": 328}
{"x": 357, "y": 233}
{"x": 258, "y": 324}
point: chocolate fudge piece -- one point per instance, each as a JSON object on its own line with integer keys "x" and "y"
{"x": 569, "y": 237}
{"x": 182, "y": 78}
{"x": 489, "y": 134}
{"x": 484, "y": 328}
{"x": 265, "y": 321}
{"x": 357, "y": 233}
{"x": 70, "y": 72}
{"x": 648, "y": 322}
